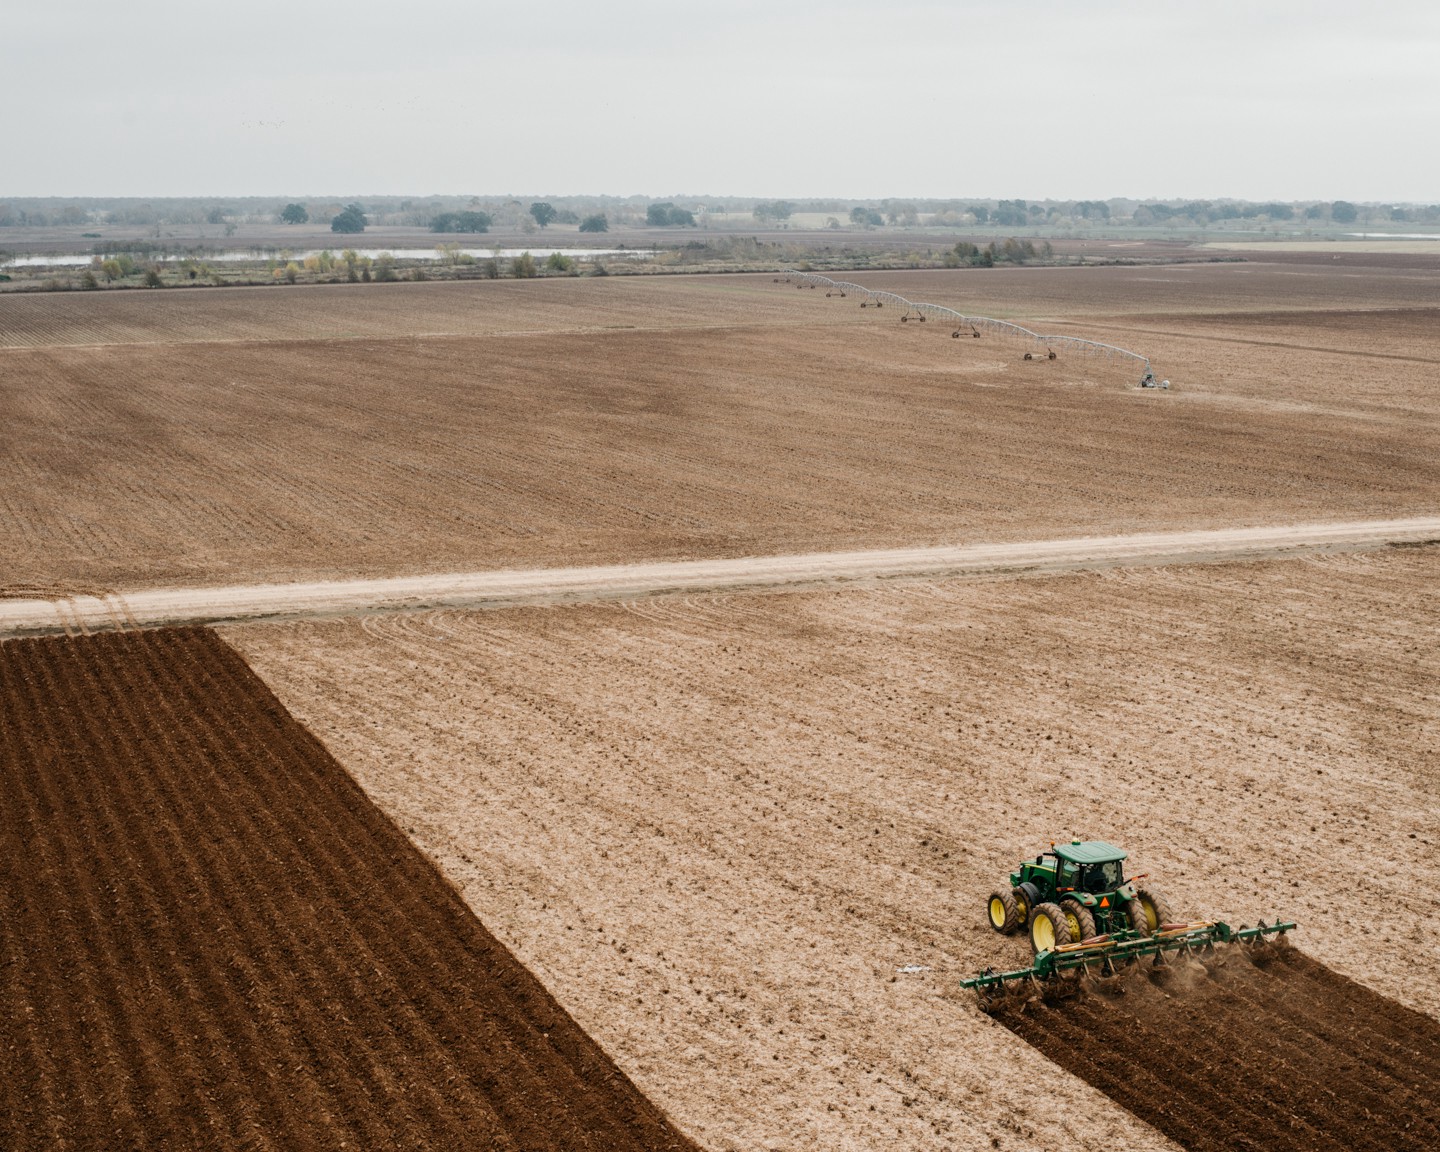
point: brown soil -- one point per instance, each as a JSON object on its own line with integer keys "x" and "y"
{"x": 1264, "y": 1050}
{"x": 228, "y": 437}
{"x": 210, "y": 938}
{"x": 728, "y": 822}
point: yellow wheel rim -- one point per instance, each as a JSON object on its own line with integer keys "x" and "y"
{"x": 1022, "y": 909}
{"x": 997, "y": 912}
{"x": 1042, "y": 934}
{"x": 1073, "y": 923}
{"x": 1150, "y": 917}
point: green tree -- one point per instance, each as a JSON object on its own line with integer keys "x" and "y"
{"x": 542, "y": 212}
{"x": 595, "y": 223}
{"x": 350, "y": 219}
{"x": 559, "y": 262}
{"x": 152, "y": 278}
{"x": 1343, "y": 212}
{"x": 461, "y": 222}
{"x": 385, "y": 267}
{"x": 523, "y": 266}
{"x": 773, "y": 211}
{"x": 666, "y": 215}
{"x": 294, "y": 214}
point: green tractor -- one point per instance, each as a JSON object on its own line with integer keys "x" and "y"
{"x": 1077, "y": 892}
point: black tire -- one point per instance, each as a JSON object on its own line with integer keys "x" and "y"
{"x": 1002, "y": 913}
{"x": 1048, "y": 928}
{"x": 1026, "y": 899}
{"x": 1082, "y": 925}
{"x": 1135, "y": 913}
{"x": 1157, "y": 908}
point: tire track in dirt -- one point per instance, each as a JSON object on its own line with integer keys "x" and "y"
{"x": 1252, "y": 1048}
{"x": 212, "y": 938}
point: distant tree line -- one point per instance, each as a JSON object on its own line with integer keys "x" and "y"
{"x": 148, "y": 218}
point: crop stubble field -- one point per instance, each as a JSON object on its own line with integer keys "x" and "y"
{"x": 196, "y": 437}
{"x": 213, "y": 939}
{"x": 717, "y": 826}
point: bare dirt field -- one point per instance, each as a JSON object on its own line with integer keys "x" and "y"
{"x": 746, "y": 839}
{"x": 210, "y": 937}
{"x": 197, "y": 437}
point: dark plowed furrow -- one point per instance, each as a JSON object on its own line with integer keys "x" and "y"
{"x": 1266, "y": 1049}
{"x": 210, "y": 937}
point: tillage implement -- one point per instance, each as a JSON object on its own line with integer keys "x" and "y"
{"x": 1080, "y": 910}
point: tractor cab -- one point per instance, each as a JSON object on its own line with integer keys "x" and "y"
{"x": 1084, "y": 867}
{"x": 1078, "y": 891}
{"x": 1092, "y": 867}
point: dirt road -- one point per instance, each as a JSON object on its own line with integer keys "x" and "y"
{"x": 252, "y": 602}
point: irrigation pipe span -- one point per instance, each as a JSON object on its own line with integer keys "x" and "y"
{"x": 974, "y": 323}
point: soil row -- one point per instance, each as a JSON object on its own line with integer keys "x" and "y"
{"x": 210, "y": 937}
{"x": 1265, "y": 1049}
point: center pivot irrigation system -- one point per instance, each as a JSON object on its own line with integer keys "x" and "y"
{"x": 964, "y": 325}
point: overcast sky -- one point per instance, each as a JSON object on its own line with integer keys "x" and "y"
{"x": 1287, "y": 99}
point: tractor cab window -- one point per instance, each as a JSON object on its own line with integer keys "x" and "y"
{"x": 1104, "y": 877}
{"x": 1066, "y": 875}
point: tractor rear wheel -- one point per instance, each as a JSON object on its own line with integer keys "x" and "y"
{"x": 1022, "y": 907}
{"x": 1048, "y": 928}
{"x": 1135, "y": 913}
{"x": 1004, "y": 915}
{"x": 1077, "y": 916}
{"x": 1157, "y": 908}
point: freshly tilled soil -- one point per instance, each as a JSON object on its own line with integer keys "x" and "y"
{"x": 211, "y": 938}
{"x": 1264, "y": 1049}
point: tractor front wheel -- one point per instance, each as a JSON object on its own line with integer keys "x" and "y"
{"x": 1048, "y": 928}
{"x": 1004, "y": 915}
{"x": 1157, "y": 908}
{"x": 1078, "y": 918}
{"x": 1135, "y": 913}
